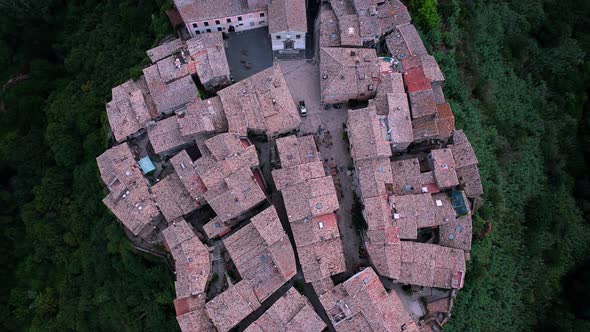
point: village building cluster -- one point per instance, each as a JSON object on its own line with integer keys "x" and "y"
{"x": 185, "y": 171}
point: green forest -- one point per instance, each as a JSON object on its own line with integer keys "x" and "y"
{"x": 517, "y": 78}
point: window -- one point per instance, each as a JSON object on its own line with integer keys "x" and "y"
{"x": 217, "y": 22}
{"x": 298, "y": 36}
{"x": 239, "y": 18}
{"x": 219, "y": 29}
{"x": 278, "y": 37}
{"x": 208, "y": 30}
{"x": 261, "y": 22}
{"x": 197, "y": 32}
{"x": 206, "y": 24}
{"x": 228, "y": 20}
{"x": 261, "y": 14}
{"x": 195, "y": 25}
{"x": 252, "y": 24}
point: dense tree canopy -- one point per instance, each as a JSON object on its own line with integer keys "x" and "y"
{"x": 516, "y": 77}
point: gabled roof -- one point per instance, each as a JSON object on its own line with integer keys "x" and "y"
{"x": 164, "y": 50}
{"x": 457, "y": 234}
{"x": 262, "y": 253}
{"x": 290, "y": 312}
{"x": 287, "y": 15}
{"x": 134, "y": 207}
{"x": 361, "y": 303}
{"x": 191, "y": 259}
{"x": 207, "y": 56}
{"x": 129, "y": 110}
{"x": 348, "y": 73}
{"x": 165, "y": 135}
{"x": 329, "y": 34}
{"x": 169, "y": 95}
{"x": 173, "y": 198}
{"x": 405, "y": 41}
{"x": 191, "y": 10}
{"x": 295, "y": 150}
{"x": 187, "y": 174}
{"x": 262, "y": 103}
{"x": 202, "y": 117}
{"x": 229, "y": 308}
{"x": 374, "y": 176}
{"x": 443, "y": 165}
{"x": 314, "y": 197}
{"x": 368, "y": 134}
{"x": 430, "y": 265}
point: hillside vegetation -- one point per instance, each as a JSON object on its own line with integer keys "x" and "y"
{"x": 516, "y": 77}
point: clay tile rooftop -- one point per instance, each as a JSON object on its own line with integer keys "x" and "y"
{"x": 164, "y": 50}
{"x": 261, "y": 104}
{"x": 129, "y": 110}
{"x": 361, "y": 303}
{"x": 374, "y": 176}
{"x": 202, "y": 117}
{"x": 191, "y": 258}
{"x": 297, "y": 150}
{"x": 165, "y": 136}
{"x": 190, "y": 10}
{"x": 173, "y": 198}
{"x": 262, "y": 253}
{"x": 239, "y": 192}
{"x": 457, "y": 233}
{"x": 443, "y": 164}
{"x": 183, "y": 165}
{"x": 329, "y": 33}
{"x": 287, "y": 15}
{"x": 291, "y": 312}
{"x": 342, "y": 7}
{"x": 191, "y": 314}
{"x": 129, "y": 198}
{"x": 399, "y": 120}
{"x": 300, "y": 161}
{"x": 391, "y": 14}
{"x": 349, "y": 30}
{"x": 368, "y": 134}
{"x": 348, "y": 73}
{"x": 207, "y": 58}
{"x": 169, "y": 95}
{"x": 405, "y": 42}
{"x": 135, "y": 208}
{"x": 430, "y": 265}
{"x": 229, "y": 308}
{"x": 119, "y": 169}
{"x": 311, "y": 198}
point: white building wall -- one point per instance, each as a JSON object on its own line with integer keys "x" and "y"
{"x": 279, "y": 43}
{"x": 241, "y": 22}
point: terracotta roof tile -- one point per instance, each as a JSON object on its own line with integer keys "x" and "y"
{"x": 368, "y": 134}
{"x": 329, "y": 33}
{"x": 287, "y": 15}
{"x": 202, "y": 117}
{"x": 261, "y": 103}
{"x": 227, "y": 309}
{"x": 128, "y": 111}
{"x": 164, "y": 50}
{"x": 173, "y": 198}
{"x": 348, "y": 73}
{"x": 361, "y": 303}
{"x": 187, "y": 174}
{"x": 443, "y": 164}
{"x": 165, "y": 136}
{"x": 262, "y": 253}
{"x": 191, "y": 257}
{"x": 291, "y": 312}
